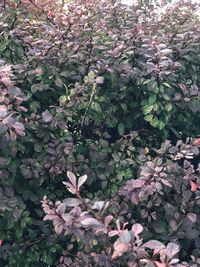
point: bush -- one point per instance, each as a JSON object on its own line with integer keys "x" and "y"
{"x": 110, "y": 94}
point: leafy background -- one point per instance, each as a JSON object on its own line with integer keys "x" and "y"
{"x": 99, "y": 88}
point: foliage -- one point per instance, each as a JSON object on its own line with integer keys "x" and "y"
{"x": 95, "y": 90}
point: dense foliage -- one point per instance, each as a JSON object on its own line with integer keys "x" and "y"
{"x": 99, "y": 133}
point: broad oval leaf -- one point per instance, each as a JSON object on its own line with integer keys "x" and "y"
{"x": 119, "y": 250}
{"x": 192, "y": 217}
{"x": 172, "y": 249}
{"x": 160, "y": 264}
{"x": 193, "y": 186}
{"x": 98, "y": 205}
{"x": 125, "y": 236}
{"x": 71, "y": 202}
{"x": 46, "y": 116}
{"x": 108, "y": 219}
{"x": 137, "y": 228}
{"x": 90, "y": 222}
{"x": 153, "y": 244}
{"x": 113, "y": 233}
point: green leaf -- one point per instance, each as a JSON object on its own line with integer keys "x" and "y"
{"x": 154, "y": 122}
{"x": 195, "y": 105}
{"x": 161, "y": 125}
{"x": 120, "y": 128}
{"x": 147, "y": 109}
{"x": 34, "y": 88}
{"x": 168, "y": 107}
{"x": 62, "y": 99}
{"x": 58, "y": 82}
{"x": 167, "y": 85}
{"x": 152, "y": 99}
{"x": 148, "y": 117}
{"x": 166, "y": 97}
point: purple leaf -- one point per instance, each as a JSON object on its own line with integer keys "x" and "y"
{"x": 58, "y": 228}
{"x": 137, "y": 183}
{"x": 68, "y": 219}
{"x": 165, "y": 182}
{"x": 46, "y": 116}
{"x": 192, "y": 233}
{"x": 192, "y": 217}
{"x": 19, "y": 128}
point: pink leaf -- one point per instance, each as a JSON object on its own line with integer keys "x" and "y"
{"x": 81, "y": 180}
{"x": 113, "y": 233}
{"x": 108, "y": 219}
{"x": 192, "y": 217}
{"x": 159, "y": 264}
{"x": 153, "y": 244}
{"x": 90, "y": 222}
{"x": 137, "y": 183}
{"x": 193, "y": 186}
{"x": 119, "y": 250}
{"x": 165, "y": 182}
{"x": 172, "y": 249}
{"x": 137, "y": 228}
{"x": 72, "y": 178}
{"x": 70, "y": 187}
{"x": 71, "y": 202}
{"x": 196, "y": 142}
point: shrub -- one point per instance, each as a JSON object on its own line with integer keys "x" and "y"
{"x": 109, "y": 93}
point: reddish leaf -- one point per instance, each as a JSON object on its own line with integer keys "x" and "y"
{"x": 196, "y": 142}
{"x": 160, "y": 264}
{"x": 51, "y": 14}
{"x": 193, "y": 186}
